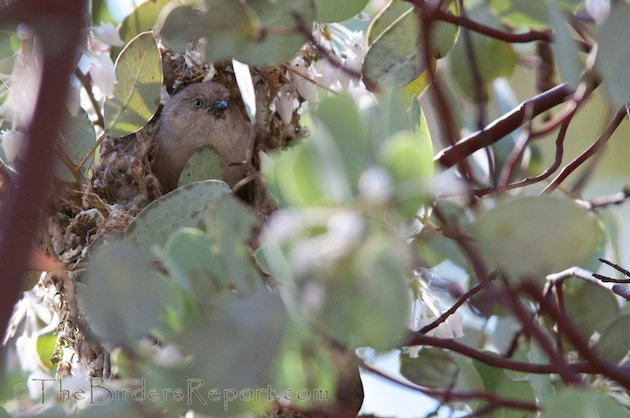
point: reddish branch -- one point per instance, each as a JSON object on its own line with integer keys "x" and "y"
{"x": 463, "y": 299}
{"x": 502, "y": 126}
{"x": 58, "y": 27}
{"x": 574, "y": 336}
{"x": 590, "y": 151}
{"x": 568, "y": 375}
{"x": 492, "y": 360}
{"x": 86, "y": 82}
{"x": 474, "y": 26}
{"x": 542, "y": 176}
{"x": 426, "y": 14}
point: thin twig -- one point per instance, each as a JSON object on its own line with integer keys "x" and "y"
{"x": 606, "y": 368}
{"x": 568, "y": 375}
{"x": 493, "y": 360}
{"x": 590, "y": 151}
{"x": 463, "y": 299}
{"x": 491, "y": 32}
{"x": 502, "y": 126}
{"x": 86, "y": 82}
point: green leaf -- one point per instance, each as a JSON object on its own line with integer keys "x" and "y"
{"x": 121, "y": 296}
{"x": 9, "y": 44}
{"x": 541, "y": 383}
{"x": 584, "y": 403}
{"x": 138, "y": 88}
{"x": 532, "y": 237}
{"x": 590, "y": 306}
{"x": 76, "y": 137}
{"x": 409, "y": 161}
{"x": 336, "y": 11}
{"x": 494, "y": 58}
{"x": 613, "y": 56}
{"x": 434, "y": 367}
{"x": 45, "y": 348}
{"x": 183, "y": 207}
{"x": 234, "y": 349}
{"x": 565, "y": 48}
{"x": 305, "y": 362}
{"x": 392, "y": 59}
{"x": 528, "y": 13}
{"x": 256, "y": 32}
{"x": 367, "y": 304}
{"x": 386, "y": 18}
{"x": 100, "y": 13}
{"x": 496, "y": 381}
{"x": 614, "y": 343}
{"x": 142, "y": 19}
{"x": 204, "y": 164}
{"x": 293, "y": 177}
{"x": 340, "y": 116}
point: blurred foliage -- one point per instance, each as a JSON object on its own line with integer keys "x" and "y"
{"x": 200, "y": 287}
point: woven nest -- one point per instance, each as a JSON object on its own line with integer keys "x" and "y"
{"x": 123, "y": 183}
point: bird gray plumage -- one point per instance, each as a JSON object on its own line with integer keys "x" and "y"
{"x": 200, "y": 115}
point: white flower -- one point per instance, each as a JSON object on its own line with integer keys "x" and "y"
{"x": 103, "y": 74}
{"x": 24, "y": 85}
{"x": 107, "y": 33}
{"x": 376, "y": 186}
{"x": 12, "y": 143}
{"x": 598, "y": 9}
{"x": 283, "y": 103}
{"x": 306, "y": 88}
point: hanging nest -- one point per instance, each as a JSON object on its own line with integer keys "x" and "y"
{"x": 122, "y": 183}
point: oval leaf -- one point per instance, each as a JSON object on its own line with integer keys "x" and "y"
{"x": 204, "y": 164}
{"x": 76, "y": 137}
{"x": 392, "y": 60}
{"x": 137, "y": 91}
{"x": 121, "y": 296}
{"x": 614, "y": 343}
{"x": 613, "y": 56}
{"x": 186, "y": 206}
{"x": 536, "y": 236}
{"x": 256, "y": 32}
{"x": 336, "y": 11}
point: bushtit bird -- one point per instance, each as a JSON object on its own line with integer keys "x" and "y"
{"x": 201, "y": 115}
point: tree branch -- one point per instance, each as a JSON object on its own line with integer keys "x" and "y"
{"x": 499, "y": 128}
{"x": 58, "y": 27}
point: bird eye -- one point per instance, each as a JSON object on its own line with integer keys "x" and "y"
{"x": 198, "y": 103}
{"x": 220, "y": 104}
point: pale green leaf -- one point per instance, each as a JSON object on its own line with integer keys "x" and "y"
{"x": 614, "y": 343}
{"x": 256, "y": 32}
{"x": 386, "y": 17}
{"x": 434, "y": 367}
{"x": 204, "y": 164}
{"x": 532, "y": 237}
{"x": 243, "y": 333}
{"x": 589, "y": 306}
{"x": 183, "y": 207}
{"x": 121, "y": 296}
{"x": 494, "y": 58}
{"x": 613, "y": 56}
{"x": 76, "y": 137}
{"x": 392, "y": 59}
{"x": 584, "y": 403}
{"x": 137, "y": 91}
{"x": 336, "y": 11}
{"x": 565, "y": 48}
{"x": 533, "y": 14}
